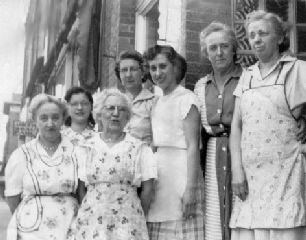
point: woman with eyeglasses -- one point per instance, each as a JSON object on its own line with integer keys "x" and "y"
{"x": 268, "y": 129}
{"x": 113, "y": 164}
{"x": 130, "y": 71}
{"x": 80, "y": 122}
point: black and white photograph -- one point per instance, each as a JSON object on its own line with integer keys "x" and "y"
{"x": 153, "y": 120}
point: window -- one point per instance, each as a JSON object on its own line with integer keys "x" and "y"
{"x": 292, "y": 11}
{"x": 147, "y": 24}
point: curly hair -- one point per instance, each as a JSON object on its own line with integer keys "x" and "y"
{"x": 128, "y": 54}
{"x": 101, "y": 98}
{"x": 218, "y": 27}
{"x": 42, "y": 99}
{"x": 77, "y": 90}
{"x": 280, "y": 27}
{"x": 173, "y": 57}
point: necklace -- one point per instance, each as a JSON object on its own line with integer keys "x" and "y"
{"x": 110, "y": 140}
{"x": 49, "y": 148}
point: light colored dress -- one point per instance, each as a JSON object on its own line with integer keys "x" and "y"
{"x": 111, "y": 209}
{"x": 272, "y": 158}
{"x": 78, "y": 138}
{"x": 165, "y": 215}
{"x": 46, "y": 183}
{"x": 216, "y": 110}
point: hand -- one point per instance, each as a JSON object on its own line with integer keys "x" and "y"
{"x": 301, "y": 133}
{"x": 189, "y": 203}
{"x": 240, "y": 185}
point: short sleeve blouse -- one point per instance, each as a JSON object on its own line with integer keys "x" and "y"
{"x": 293, "y": 71}
{"x": 14, "y": 173}
{"x": 89, "y": 158}
{"x": 168, "y": 115}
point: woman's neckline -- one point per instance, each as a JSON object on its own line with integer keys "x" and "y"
{"x": 110, "y": 142}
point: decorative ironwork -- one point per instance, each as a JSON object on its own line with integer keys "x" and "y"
{"x": 241, "y": 9}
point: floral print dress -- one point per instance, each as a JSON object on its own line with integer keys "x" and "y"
{"x": 111, "y": 208}
{"x": 46, "y": 184}
{"x": 78, "y": 138}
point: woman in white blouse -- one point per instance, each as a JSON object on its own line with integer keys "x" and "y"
{"x": 176, "y": 209}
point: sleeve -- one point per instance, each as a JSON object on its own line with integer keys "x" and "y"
{"x": 238, "y": 90}
{"x": 186, "y": 102}
{"x": 14, "y": 172}
{"x": 82, "y": 155}
{"x": 197, "y": 91}
{"x": 146, "y": 165}
{"x": 296, "y": 85}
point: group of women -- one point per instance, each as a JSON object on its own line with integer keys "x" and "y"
{"x": 140, "y": 177}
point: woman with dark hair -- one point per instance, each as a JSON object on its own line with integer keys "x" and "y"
{"x": 268, "y": 129}
{"x": 215, "y": 93}
{"x": 129, "y": 69}
{"x": 80, "y": 122}
{"x": 176, "y": 211}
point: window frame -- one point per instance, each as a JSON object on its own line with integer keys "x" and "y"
{"x": 292, "y": 13}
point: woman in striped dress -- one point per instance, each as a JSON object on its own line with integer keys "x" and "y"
{"x": 215, "y": 92}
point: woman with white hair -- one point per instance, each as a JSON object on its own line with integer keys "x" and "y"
{"x": 41, "y": 178}
{"x": 268, "y": 129}
{"x": 114, "y": 165}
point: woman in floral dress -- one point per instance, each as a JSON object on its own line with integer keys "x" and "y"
{"x": 80, "y": 122}
{"x": 112, "y": 165}
{"x": 268, "y": 128}
{"x": 41, "y": 178}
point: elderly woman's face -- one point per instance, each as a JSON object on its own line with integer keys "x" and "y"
{"x": 263, "y": 39}
{"x": 130, "y": 74}
{"x": 114, "y": 114}
{"x": 163, "y": 72}
{"x": 220, "y": 50}
{"x": 49, "y": 120}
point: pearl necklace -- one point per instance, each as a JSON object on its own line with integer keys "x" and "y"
{"x": 51, "y": 148}
{"x": 110, "y": 140}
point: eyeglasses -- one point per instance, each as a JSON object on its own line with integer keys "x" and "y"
{"x": 132, "y": 69}
{"x": 112, "y": 108}
{"x": 76, "y": 104}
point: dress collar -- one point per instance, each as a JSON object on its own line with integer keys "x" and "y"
{"x": 144, "y": 94}
{"x": 235, "y": 74}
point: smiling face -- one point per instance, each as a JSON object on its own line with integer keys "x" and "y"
{"x": 114, "y": 114}
{"x": 220, "y": 50}
{"x": 130, "y": 74}
{"x": 79, "y": 108}
{"x": 263, "y": 40}
{"x": 163, "y": 73}
{"x": 49, "y": 119}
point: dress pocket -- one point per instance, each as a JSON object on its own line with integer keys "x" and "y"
{"x": 29, "y": 214}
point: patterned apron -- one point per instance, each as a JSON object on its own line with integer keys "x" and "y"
{"x": 271, "y": 158}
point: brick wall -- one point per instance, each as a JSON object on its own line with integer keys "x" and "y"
{"x": 119, "y": 35}
{"x": 127, "y": 25}
{"x": 199, "y": 13}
